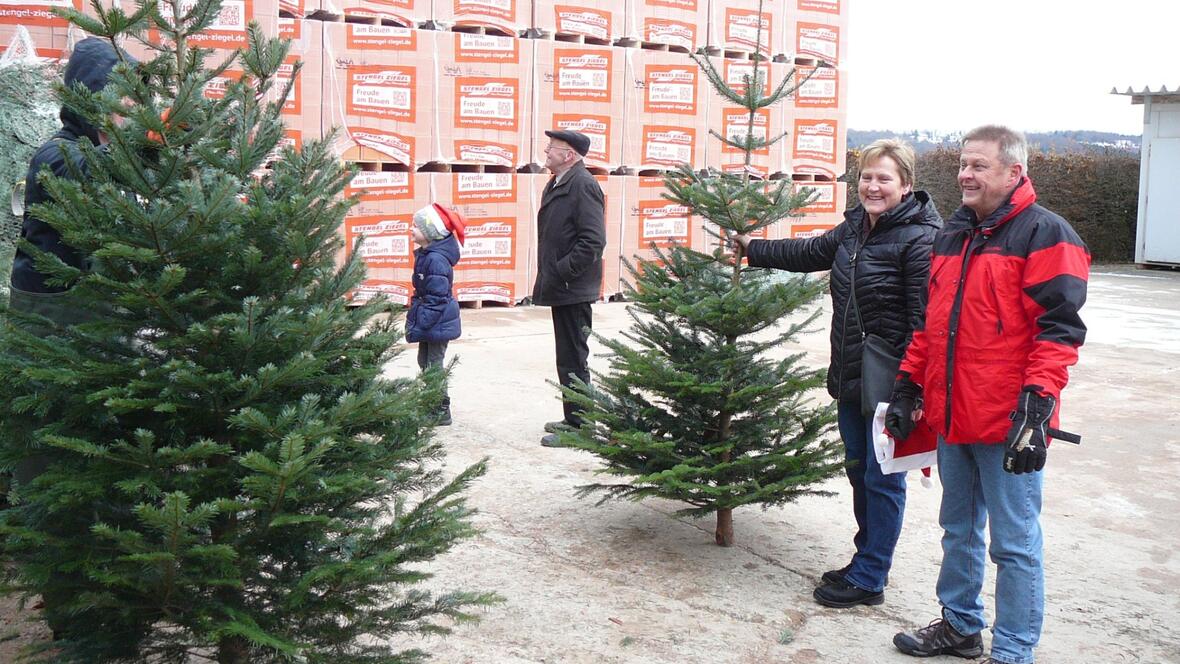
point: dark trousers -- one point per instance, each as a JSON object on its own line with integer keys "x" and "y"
{"x": 571, "y": 332}
{"x": 878, "y": 501}
{"x": 433, "y": 354}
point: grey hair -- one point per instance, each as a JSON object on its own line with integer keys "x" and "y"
{"x": 1013, "y": 144}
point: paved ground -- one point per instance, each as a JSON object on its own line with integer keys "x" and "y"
{"x": 629, "y": 583}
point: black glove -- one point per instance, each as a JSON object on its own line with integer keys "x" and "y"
{"x": 906, "y": 398}
{"x": 1026, "y": 451}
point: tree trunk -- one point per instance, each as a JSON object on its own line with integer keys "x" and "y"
{"x": 724, "y": 535}
{"x": 233, "y": 650}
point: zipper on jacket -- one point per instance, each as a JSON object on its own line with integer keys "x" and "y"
{"x": 956, "y": 308}
{"x": 844, "y": 321}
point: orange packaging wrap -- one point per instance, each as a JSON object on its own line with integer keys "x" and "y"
{"x": 579, "y": 88}
{"x": 509, "y": 18}
{"x": 736, "y": 30}
{"x": 32, "y": 44}
{"x": 37, "y": 14}
{"x": 401, "y": 13}
{"x": 377, "y": 91}
{"x": 663, "y": 111}
{"x": 575, "y": 21}
{"x": 819, "y": 147}
{"x": 733, "y": 121}
{"x": 481, "y": 98}
{"x": 678, "y": 25}
{"x": 816, "y": 30}
{"x": 495, "y": 256}
{"x": 650, "y": 219}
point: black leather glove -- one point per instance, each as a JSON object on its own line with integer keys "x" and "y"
{"x": 906, "y": 398}
{"x": 1026, "y": 451}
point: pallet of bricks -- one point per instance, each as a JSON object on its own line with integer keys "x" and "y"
{"x": 447, "y": 101}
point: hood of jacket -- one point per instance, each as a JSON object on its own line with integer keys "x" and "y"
{"x": 448, "y": 248}
{"x": 916, "y": 207}
{"x": 91, "y": 65}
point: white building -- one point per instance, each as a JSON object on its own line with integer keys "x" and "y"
{"x": 1157, "y": 238}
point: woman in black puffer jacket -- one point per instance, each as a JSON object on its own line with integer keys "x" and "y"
{"x": 885, "y": 242}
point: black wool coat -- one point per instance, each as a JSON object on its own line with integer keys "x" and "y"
{"x": 891, "y": 264}
{"x": 571, "y": 236}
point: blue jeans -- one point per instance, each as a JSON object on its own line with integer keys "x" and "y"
{"x": 976, "y": 491}
{"x": 878, "y": 501}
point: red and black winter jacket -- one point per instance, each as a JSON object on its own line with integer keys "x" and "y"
{"x": 1001, "y": 315}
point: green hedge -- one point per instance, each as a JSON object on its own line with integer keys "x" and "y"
{"x": 1098, "y": 192}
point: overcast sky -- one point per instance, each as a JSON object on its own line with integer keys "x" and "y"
{"x": 1038, "y": 65}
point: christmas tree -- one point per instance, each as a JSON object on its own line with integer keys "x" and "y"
{"x": 227, "y": 475}
{"x": 696, "y": 407}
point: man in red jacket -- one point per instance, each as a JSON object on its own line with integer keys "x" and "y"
{"x": 1007, "y": 279}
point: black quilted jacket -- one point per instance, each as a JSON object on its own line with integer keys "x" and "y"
{"x": 891, "y": 265}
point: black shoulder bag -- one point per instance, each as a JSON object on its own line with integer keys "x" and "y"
{"x": 879, "y": 361}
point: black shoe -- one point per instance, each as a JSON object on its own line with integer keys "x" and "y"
{"x": 559, "y": 425}
{"x": 939, "y": 638}
{"x": 842, "y": 595}
{"x": 443, "y": 417}
{"x": 833, "y": 575}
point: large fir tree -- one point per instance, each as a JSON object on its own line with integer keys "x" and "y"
{"x": 697, "y": 406}
{"x": 229, "y": 475}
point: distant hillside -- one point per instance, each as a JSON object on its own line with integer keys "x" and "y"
{"x": 1056, "y": 141}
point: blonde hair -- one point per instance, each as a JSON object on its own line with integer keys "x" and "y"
{"x": 899, "y": 151}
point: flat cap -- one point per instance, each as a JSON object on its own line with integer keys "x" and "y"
{"x": 578, "y": 141}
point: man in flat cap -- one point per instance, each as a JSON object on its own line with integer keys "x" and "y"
{"x": 571, "y": 235}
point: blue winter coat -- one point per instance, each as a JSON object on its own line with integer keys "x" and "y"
{"x": 434, "y": 313}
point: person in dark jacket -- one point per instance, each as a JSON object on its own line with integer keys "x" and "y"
{"x": 571, "y": 236}
{"x": 433, "y": 318}
{"x": 883, "y": 250}
{"x": 1002, "y": 328}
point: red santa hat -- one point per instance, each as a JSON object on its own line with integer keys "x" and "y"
{"x": 436, "y": 222}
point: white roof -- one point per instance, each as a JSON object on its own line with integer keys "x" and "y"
{"x": 1147, "y": 91}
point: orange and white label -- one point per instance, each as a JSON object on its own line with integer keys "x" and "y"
{"x": 492, "y": 291}
{"x": 381, "y": 186}
{"x": 36, "y": 13}
{"x": 294, "y": 103}
{"x": 397, "y": 292}
{"x": 670, "y": 89}
{"x": 825, "y": 6}
{"x": 490, "y": 243}
{"x": 810, "y": 230}
{"x": 227, "y": 31}
{"x": 486, "y": 48}
{"x": 738, "y": 71}
{"x": 815, "y": 140}
{"x": 671, "y": 32}
{"x": 663, "y": 223}
{"x": 818, "y": 41}
{"x": 823, "y": 196}
{"x": 496, "y": 12}
{"x": 381, "y": 38}
{"x": 690, "y": 5}
{"x": 487, "y": 103}
{"x": 216, "y": 87}
{"x": 290, "y": 27}
{"x": 292, "y": 7}
{"x": 485, "y": 152}
{"x": 595, "y": 127}
{"x": 742, "y": 29}
{"x": 668, "y": 146}
{"x": 582, "y": 74}
{"x": 582, "y": 21}
{"x": 736, "y": 122}
{"x": 817, "y": 171}
{"x": 483, "y": 187}
{"x": 397, "y": 147}
{"x": 382, "y": 91}
{"x": 387, "y": 240}
{"x": 822, "y": 90}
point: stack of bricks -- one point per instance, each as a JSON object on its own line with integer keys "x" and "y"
{"x": 447, "y": 101}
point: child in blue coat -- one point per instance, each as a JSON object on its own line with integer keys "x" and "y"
{"x": 433, "y": 319}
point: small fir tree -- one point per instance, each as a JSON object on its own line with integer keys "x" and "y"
{"x": 228, "y": 476}
{"x": 695, "y": 407}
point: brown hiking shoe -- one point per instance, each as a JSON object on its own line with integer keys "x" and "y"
{"x": 939, "y": 638}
